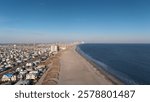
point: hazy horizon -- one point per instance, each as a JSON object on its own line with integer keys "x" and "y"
{"x": 92, "y": 21}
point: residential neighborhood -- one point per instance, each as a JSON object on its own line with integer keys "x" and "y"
{"x": 24, "y": 64}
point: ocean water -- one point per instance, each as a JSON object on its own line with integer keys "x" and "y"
{"x": 130, "y": 63}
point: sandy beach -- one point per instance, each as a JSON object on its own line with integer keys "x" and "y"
{"x": 76, "y": 70}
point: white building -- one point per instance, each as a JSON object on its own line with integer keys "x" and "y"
{"x": 28, "y": 64}
{"x": 32, "y": 75}
{"x": 54, "y": 48}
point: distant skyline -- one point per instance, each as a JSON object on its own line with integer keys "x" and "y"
{"x": 101, "y": 21}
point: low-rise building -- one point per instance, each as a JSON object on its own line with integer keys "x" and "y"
{"x": 32, "y": 75}
{"x": 40, "y": 66}
{"x": 8, "y": 77}
{"x": 29, "y": 64}
{"x": 23, "y": 82}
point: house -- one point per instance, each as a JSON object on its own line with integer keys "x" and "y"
{"x": 25, "y": 59}
{"x": 23, "y": 82}
{"x": 35, "y": 63}
{"x": 19, "y": 61}
{"x": 1, "y": 69}
{"x": 8, "y": 66}
{"x": 23, "y": 71}
{"x": 22, "y": 74}
{"x": 18, "y": 69}
{"x": 8, "y": 77}
{"x": 29, "y": 64}
{"x": 32, "y": 75}
{"x": 29, "y": 69}
{"x": 40, "y": 67}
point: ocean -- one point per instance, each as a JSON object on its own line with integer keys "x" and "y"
{"x": 129, "y": 63}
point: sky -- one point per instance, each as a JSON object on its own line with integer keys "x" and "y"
{"x": 99, "y": 21}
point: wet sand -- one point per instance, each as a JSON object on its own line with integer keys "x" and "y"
{"x": 76, "y": 70}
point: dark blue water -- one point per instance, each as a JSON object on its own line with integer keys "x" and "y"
{"x": 128, "y": 62}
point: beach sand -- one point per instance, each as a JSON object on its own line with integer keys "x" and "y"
{"x": 76, "y": 70}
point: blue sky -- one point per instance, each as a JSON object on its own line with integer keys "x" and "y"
{"x": 71, "y": 20}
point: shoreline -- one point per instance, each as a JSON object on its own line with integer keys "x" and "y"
{"x": 108, "y": 75}
{"x": 69, "y": 67}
